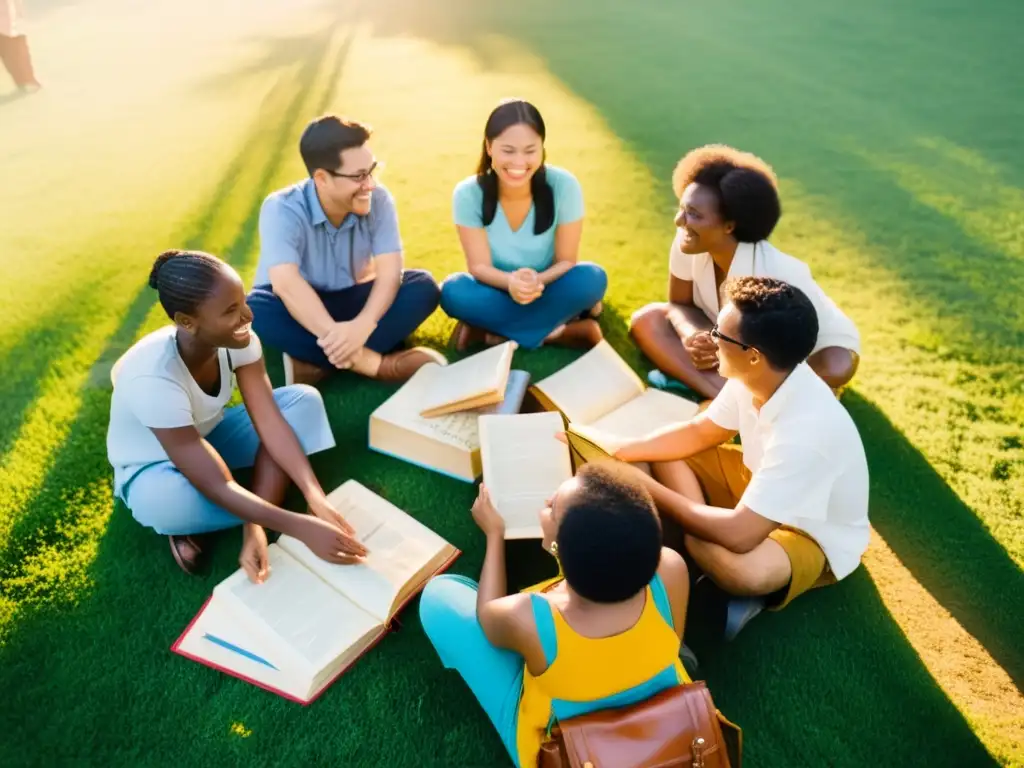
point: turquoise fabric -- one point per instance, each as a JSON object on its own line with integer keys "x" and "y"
{"x": 512, "y": 250}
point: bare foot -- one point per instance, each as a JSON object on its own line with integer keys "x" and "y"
{"x": 400, "y": 366}
{"x": 596, "y": 310}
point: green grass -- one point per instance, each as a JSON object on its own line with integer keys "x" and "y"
{"x": 894, "y": 131}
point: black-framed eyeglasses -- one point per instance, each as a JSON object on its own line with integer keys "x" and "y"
{"x": 358, "y": 178}
{"x": 717, "y": 334}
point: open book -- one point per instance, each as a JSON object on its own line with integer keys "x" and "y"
{"x": 310, "y": 620}
{"x": 473, "y": 382}
{"x": 448, "y": 444}
{"x": 601, "y": 392}
{"x": 524, "y": 463}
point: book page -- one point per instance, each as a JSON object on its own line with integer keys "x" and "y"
{"x": 524, "y": 464}
{"x": 480, "y": 374}
{"x": 592, "y": 385}
{"x": 642, "y": 415}
{"x": 314, "y": 623}
{"x": 403, "y": 408}
{"x": 400, "y": 547}
{"x": 515, "y": 392}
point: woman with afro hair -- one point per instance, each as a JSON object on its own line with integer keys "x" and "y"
{"x": 728, "y": 208}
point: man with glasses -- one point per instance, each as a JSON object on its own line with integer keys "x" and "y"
{"x": 788, "y": 511}
{"x": 330, "y": 289}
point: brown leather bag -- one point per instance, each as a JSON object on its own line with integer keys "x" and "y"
{"x": 677, "y": 727}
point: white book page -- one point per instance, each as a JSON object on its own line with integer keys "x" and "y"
{"x": 403, "y": 408}
{"x": 315, "y": 623}
{"x": 642, "y": 415}
{"x": 524, "y": 464}
{"x": 399, "y": 548}
{"x": 470, "y": 377}
{"x": 592, "y": 385}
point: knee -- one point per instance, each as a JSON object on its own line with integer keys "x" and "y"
{"x": 736, "y": 574}
{"x": 836, "y": 366}
{"x": 439, "y": 605}
{"x": 300, "y": 401}
{"x": 592, "y": 281}
{"x": 456, "y": 292}
{"x": 156, "y": 502}
{"x": 422, "y": 289}
{"x": 648, "y": 318}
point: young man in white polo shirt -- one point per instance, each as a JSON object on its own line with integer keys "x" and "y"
{"x": 788, "y": 511}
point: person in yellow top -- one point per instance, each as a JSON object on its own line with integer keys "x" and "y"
{"x": 605, "y": 633}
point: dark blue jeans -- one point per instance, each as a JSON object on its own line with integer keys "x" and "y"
{"x": 417, "y": 298}
{"x": 464, "y": 298}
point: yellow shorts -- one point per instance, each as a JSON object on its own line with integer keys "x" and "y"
{"x": 724, "y": 477}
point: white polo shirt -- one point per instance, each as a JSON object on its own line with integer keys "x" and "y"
{"x": 807, "y": 463}
{"x": 763, "y": 259}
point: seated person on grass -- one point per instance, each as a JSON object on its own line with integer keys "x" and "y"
{"x": 605, "y": 633}
{"x": 729, "y": 206}
{"x": 330, "y": 289}
{"x": 519, "y": 222}
{"x": 789, "y": 510}
{"x": 173, "y": 445}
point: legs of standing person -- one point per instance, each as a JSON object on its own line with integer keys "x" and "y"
{"x": 494, "y": 675}
{"x": 529, "y": 325}
{"x": 416, "y": 299}
{"x": 14, "y": 51}
{"x": 657, "y": 338}
{"x": 160, "y": 497}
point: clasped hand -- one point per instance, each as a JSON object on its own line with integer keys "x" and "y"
{"x": 702, "y": 349}
{"x": 344, "y": 340}
{"x": 525, "y": 286}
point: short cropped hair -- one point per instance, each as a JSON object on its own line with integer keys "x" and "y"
{"x": 609, "y": 538}
{"x": 325, "y": 138}
{"x": 744, "y": 184}
{"x": 775, "y": 317}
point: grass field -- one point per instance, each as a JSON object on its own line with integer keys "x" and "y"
{"x": 895, "y": 131}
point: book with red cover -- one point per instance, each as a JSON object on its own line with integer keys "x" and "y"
{"x": 310, "y": 620}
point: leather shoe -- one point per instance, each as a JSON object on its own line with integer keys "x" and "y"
{"x": 301, "y": 372}
{"x": 582, "y": 334}
{"x": 188, "y": 554}
{"x": 464, "y": 336}
{"x": 400, "y": 366}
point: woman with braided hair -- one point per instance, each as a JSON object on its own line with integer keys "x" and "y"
{"x": 173, "y": 443}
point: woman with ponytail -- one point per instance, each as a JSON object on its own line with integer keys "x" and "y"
{"x": 519, "y": 222}
{"x": 173, "y": 443}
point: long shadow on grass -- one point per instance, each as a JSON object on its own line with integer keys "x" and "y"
{"x": 48, "y": 562}
{"x": 827, "y": 682}
{"x": 286, "y": 106}
{"x": 41, "y": 520}
{"x": 793, "y": 85}
{"x": 941, "y": 540}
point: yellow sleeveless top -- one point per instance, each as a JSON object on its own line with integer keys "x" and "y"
{"x": 587, "y": 674}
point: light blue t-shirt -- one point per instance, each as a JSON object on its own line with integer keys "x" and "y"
{"x": 295, "y": 230}
{"x": 513, "y": 250}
